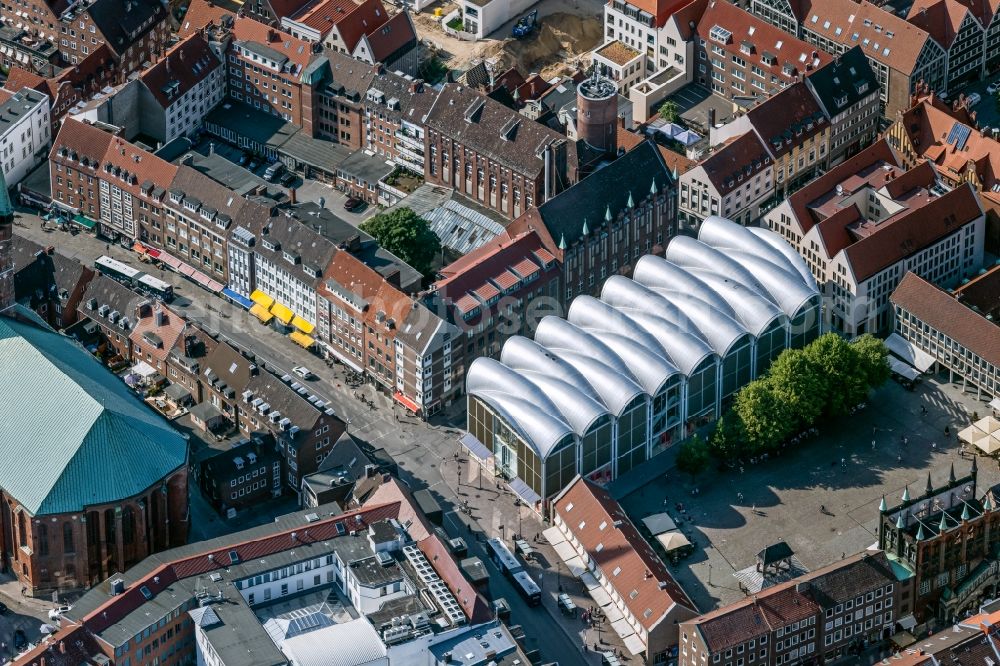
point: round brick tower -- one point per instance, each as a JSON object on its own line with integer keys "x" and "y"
{"x": 597, "y": 112}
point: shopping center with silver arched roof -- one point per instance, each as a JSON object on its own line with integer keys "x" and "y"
{"x": 655, "y": 357}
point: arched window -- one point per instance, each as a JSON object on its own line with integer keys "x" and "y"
{"x": 68, "y": 545}
{"x": 128, "y": 525}
{"x": 42, "y": 547}
{"x": 22, "y": 530}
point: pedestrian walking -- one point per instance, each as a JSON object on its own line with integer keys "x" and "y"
{"x": 873, "y": 445}
{"x": 843, "y": 462}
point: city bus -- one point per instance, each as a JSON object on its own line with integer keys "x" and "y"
{"x": 511, "y": 567}
{"x": 156, "y": 288}
{"x": 118, "y": 270}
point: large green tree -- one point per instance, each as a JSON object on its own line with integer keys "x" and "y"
{"x": 669, "y": 111}
{"x": 766, "y": 419}
{"x": 873, "y": 359}
{"x": 408, "y": 236}
{"x": 726, "y": 442}
{"x": 799, "y": 385}
{"x": 836, "y": 360}
{"x": 693, "y": 457}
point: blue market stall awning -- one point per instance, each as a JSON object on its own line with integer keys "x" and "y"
{"x": 475, "y": 447}
{"x": 242, "y": 301}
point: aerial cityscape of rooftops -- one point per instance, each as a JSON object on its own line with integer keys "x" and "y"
{"x": 500, "y": 332}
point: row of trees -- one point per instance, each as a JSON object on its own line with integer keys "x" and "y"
{"x": 824, "y": 379}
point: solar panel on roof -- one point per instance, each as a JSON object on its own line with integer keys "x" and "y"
{"x": 958, "y": 135}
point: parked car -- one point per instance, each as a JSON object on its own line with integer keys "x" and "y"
{"x": 57, "y": 612}
{"x": 303, "y": 372}
{"x": 288, "y": 179}
{"x": 244, "y": 158}
{"x": 20, "y": 640}
{"x": 973, "y": 99}
{"x": 252, "y": 166}
{"x": 993, "y": 88}
{"x": 353, "y": 204}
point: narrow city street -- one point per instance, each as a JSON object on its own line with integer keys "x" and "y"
{"x": 425, "y": 452}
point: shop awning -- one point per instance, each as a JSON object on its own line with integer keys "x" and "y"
{"x": 85, "y": 221}
{"x": 406, "y": 402}
{"x": 907, "y": 351}
{"x": 672, "y": 541}
{"x": 301, "y": 324}
{"x": 903, "y": 369}
{"x": 171, "y": 261}
{"x": 659, "y": 523}
{"x": 242, "y": 301}
{"x": 282, "y": 313}
{"x": 634, "y": 645}
{"x": 261, "y": 313}
{"x": 143, "y": 369}
{"x": 261, "y": 298}
{"x": 302, "y": 339}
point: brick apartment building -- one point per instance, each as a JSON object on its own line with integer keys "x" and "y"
{"x": 847, "y": 91}
{"x": 394, "y": 111}
{"x": 500, "y": 289}
{"x": 794, "y": 130}
{"x": 734, "y": 181}
{"x": 271, "y": 71}
{"x": 408, "y": 350}
{"x": 824, "y": 615}
{"x": 901, "y": 54}
{"x": 242, "y": 477}
{"x": 340, "y": 100}
{"x": 602, "y": 225}
{"x": 134, "y": 32}
{"x": 103, "y": 297}
{"x": 49, "y": 282}
{"x": 493, "y": 155}
{"x": 742, "y": 56}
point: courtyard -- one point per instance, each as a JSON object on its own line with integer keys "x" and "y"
{"x": 822, "y": 497}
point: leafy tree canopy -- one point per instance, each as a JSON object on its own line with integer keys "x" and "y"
{"x": 407, "y": 235}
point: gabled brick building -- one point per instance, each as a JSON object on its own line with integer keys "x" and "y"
{"x": 492, "y": 154}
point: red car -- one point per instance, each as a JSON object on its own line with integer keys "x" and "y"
{"x": 353, "y": 203}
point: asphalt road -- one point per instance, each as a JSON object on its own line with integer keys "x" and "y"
{"x": 419, "y": 448}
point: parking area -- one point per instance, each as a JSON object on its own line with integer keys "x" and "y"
{"x": 988, "y": 109}
{"x": 231, "y": 166}
{"x": 821, "y": 498}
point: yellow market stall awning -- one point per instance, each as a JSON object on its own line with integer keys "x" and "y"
{"x": 261, "y": 298}
{"x": 259, "y": 311}
{"x": 301, "y": 324}
{"x": 302, "y": 339}
{"x": 282, "y": 313}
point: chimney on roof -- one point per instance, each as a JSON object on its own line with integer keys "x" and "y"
{"x": 291, "y": 195}
{"x": 272, "y": 35}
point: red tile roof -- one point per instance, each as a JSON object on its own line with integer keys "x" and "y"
{"x": 788, "y": 119}
{"x": 486, "y": 291}
{"x": 929, "y": 124}
{"x": 876, "y": 154}
{"x": 912, "y": 230}
{"x": 525, "y": 268}
{"x": 895, "y": 43}
{"x": 83, "y": 139}
{"x": 942, "y": 312}
{"x": 351, "y": 18}
{"x": 392, "y": 36}
{"x": 184, "y": 66}
{"x": 171, "y": 329}
{"x": 661, "y": 9}
{"x": 200, "y": 14}
{"x": 941, "y": 18}
{"x": 141, "y": 164}
{"x": 625, "y": 559}
{"x": 506, "y": 280}
{"x": 472, "y": 603}
{"x": 736, "y": 162}
{"x": 762, "y": 38}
